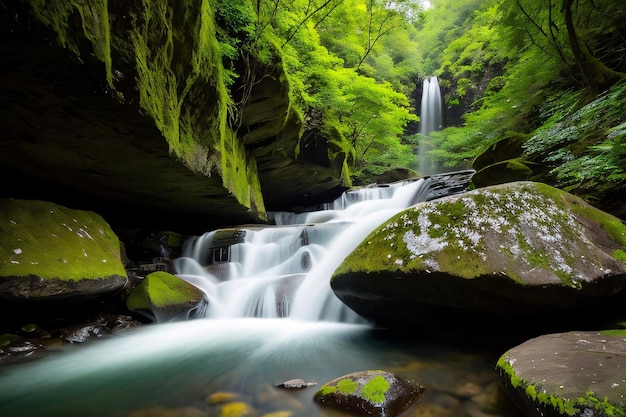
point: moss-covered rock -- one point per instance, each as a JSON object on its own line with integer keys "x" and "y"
{"x": 126, "y": 108}
{"x": 568, "y": 374}
{"x": 164, "y": 297}
{"x": 370, "y": 393}
{"x": 513, "y": 248}
{"x": 51, "y": 251}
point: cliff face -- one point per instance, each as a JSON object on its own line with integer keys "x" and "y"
{"x": 124, "y": 108}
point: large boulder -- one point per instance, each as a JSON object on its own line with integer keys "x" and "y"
{"x": 578, "y": 373}
{"x": 48, "y": 251}
{"x": 520, "y": 248}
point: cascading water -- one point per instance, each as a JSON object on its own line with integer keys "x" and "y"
{"x": 280, "y": 275}
{"x": 284, "y": 270}
{"x": 431, "y": 119}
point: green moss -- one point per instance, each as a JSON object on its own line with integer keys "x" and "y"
{"x": 327, "y": 389}
{"x": 620, "y": 255}
{"x": 160, "y": 289}
{"x": 94, "y": 20}
{"x": 615, "y": 332}
{"x": 374, "y": 390}
{"x": 562, "y": 405}
{"x": 347, "y": 386}
{"x": 52, "y": 241}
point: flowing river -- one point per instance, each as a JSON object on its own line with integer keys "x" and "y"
{"x": 271, "y": 317}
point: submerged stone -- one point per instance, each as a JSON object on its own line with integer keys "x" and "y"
{"x": 511, "y": 248}
{"x": 370, "y": 393}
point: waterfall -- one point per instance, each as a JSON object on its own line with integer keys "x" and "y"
{"x": 284, "y": 269}
{"x": 431, "y": 119}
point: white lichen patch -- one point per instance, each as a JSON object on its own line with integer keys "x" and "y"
{"x": 81, "y": 232}
{"x": 422, "y": 244}
{"x": 521, "y": 223}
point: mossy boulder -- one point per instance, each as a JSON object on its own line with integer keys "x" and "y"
{"x": 164, "y": 297}
{"x": 515, "y": 248}
{"x": 568, "y": 374}
{"x": 48, "y": 251}
{"x": 370, "y": 393}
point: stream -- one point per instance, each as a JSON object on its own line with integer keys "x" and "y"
{"x": 271, "y": 317}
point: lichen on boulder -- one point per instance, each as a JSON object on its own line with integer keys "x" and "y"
{"x": 509, "y": 248}
{"x": 164, "y": 297}
{"x": 51, "y": 251}
{"x": 370, "y": 393}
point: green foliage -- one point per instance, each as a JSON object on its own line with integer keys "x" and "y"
{"x": 438, "y": 26}
{"x": 586, "y": 146}
{"x": 525, "y": 55}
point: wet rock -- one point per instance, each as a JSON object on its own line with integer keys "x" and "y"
{"x": 14, "y": 348}
{"x": 513, "y": 249}
{"x": 295, "y": 384}
{"x": 370, "y": 393}
{"x": 568, "y": 374}
{"x": 164, "y": 297}
{"x": 81, "y": 333}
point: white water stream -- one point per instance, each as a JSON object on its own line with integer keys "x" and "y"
{"x": 431, "y": 120}
{"x": 284, "y": 270}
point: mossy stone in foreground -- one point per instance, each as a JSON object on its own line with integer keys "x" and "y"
{"x": 568, "y": 374}
{"x": 370, "y": 393}
{"x": 47, "y": 250}
{"x": 164, "y": 297}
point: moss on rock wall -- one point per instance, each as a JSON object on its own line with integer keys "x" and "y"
{"x": 172, "y": 52}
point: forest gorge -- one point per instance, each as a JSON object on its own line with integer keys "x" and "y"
{"x": 534, "y": 89}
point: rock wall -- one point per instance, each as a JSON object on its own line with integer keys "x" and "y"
{"x": 124, "y": 108}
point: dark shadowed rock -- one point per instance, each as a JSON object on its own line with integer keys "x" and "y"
{"x": 580, "y": 374}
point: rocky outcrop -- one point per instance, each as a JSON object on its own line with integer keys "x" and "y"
{"x": 52, "y": 252}
{"x": 520, "y": 249}
{"x": 124, "y": 108}
{"x": 577, "y": 373}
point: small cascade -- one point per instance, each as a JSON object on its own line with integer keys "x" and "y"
{"x": 431, "y": 119}
{"x": 284, "y": 269}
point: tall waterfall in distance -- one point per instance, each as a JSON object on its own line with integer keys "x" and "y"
{"x": 431, "y": 119}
